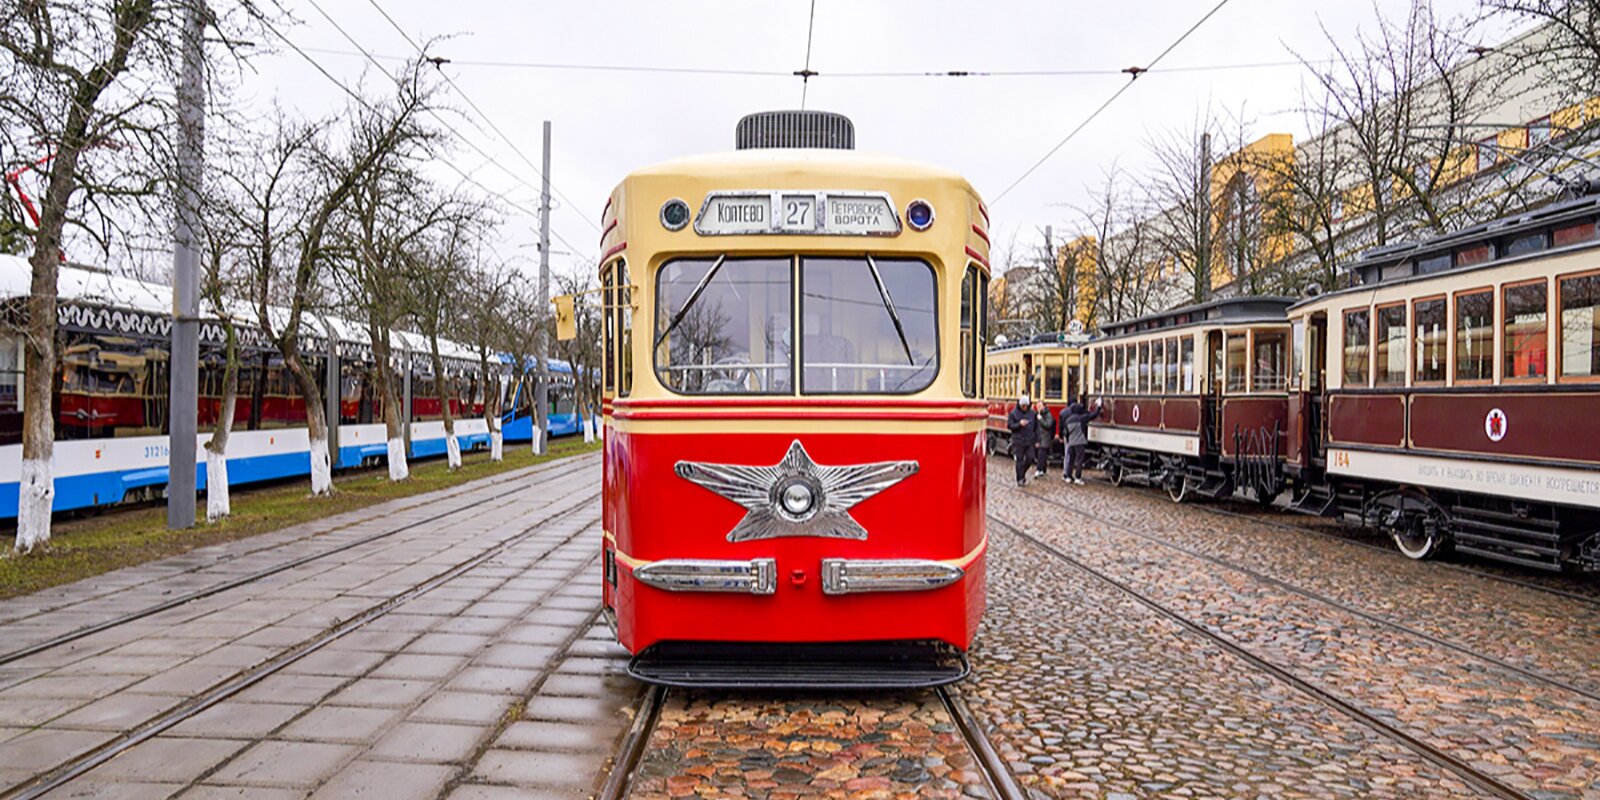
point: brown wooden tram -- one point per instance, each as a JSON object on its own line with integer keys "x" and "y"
{"x": 1451, "y": 396}
{"x": 1195, "y": 399}
{"x": 794, "y": 470}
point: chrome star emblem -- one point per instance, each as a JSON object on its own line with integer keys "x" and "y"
{"x": 796, "y": 496}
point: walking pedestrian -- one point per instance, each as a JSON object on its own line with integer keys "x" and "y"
{"x": 1022, "y": 422}
{"x": 1046, "y": 436}
{"x": 1075, "y": 430}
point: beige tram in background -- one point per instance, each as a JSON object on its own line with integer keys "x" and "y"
{"x": 1047, "y": 367}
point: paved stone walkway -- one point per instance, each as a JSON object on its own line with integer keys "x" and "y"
{"x": 402, "y": 706}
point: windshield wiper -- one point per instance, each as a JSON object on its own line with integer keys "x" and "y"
{"x": 693, "y": 296}
{"x": 888, "y": 305}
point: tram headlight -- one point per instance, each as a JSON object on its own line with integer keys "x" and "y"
{"x": 674, "y": 214}
{"x": 798, "y": 499}
{"x": 919, "y": 215}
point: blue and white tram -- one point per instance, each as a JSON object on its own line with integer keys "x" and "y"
{"x": 111, "y": 400}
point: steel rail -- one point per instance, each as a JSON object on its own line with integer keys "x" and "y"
{"x": 229, "y": 687}
{"x": 1534, "y": 675}
{"x": 633, "y": 745}
{"x": 234, "y": 583}
{"x": 1464, "y": 771}
{"x": 1001, "y": 783}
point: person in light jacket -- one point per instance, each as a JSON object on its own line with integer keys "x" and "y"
{"x": 1023, "y": 424}
{"x": 1075, "y": 430}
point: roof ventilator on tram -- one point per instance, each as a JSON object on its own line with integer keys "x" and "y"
{"x": 756, "y": 576}
{"x": 822, "y": 130}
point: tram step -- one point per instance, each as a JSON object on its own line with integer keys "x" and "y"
{"x": 1485, "y": 513}
{"x": 1519, "y": 531}
{"x": 868, "y": 665}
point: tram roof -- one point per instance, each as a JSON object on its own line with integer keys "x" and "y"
{"x": 1227, "y": 310}
{"x": 809, "y": 161}
{"x": 1531, "y": 234}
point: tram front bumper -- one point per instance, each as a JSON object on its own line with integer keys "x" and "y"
{"x": 760, "y": 575}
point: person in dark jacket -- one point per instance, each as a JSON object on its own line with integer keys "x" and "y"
{"x": 1045, "y": 439}
{"x": 1023, "y": 424}
{"x": 1075, "y": 431}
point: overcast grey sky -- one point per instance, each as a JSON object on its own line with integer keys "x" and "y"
{"x": 989, "y": 128}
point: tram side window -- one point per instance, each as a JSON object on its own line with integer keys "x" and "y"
{"x": 1428, "y": 317}
{"x": 624, "y": 315}
{"x": 608, "y": 326}
{"x": 1187, "y": 364}
{"x": 1357, "y": 339}
{"x": 1053, "y": 385}
{"x": 1130, "y": 369}
{"x": 734, "y": 337}
{"x": 1525, "y": 334}
{"x": 1100, "y": 371}
{"x": 1580, "y": 326}
{"x": 1119, "y": 365}
{"x": 1391, "y": 354}
{"x": 1271, "y": 356}
{"x": 969, "y": 358}
{"x": 1475, "y": 336}
{"x": 1297, "y": 353}
{"x": 1237, "y": 362}
{"x": 1143, "y": 370}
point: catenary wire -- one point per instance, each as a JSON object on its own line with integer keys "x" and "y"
{"x": 492, "y": 126}
{"x": 1134, "y": 76}
{"x": 453, "y": 167}
{"x": 805, "y": 74}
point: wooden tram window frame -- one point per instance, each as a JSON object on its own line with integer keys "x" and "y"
{"x": 1502, "y": 368}
{"x": 1344, "y": 344}
{"x": 1405, "y": 350}
{"x": 1494, "y": 337}
{"x": 608, "y": 335}
{"x": 1561, "y": 341}
{"x": 1450, "y": 335}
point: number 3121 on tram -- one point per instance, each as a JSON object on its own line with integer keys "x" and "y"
{"x": 794, "y": 460}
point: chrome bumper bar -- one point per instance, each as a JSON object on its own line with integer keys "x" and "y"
{"x": 756, "y": 576}
{"x": 852, "y": 576}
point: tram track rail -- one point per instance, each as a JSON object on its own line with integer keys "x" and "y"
{"x": 1462, "y": 770}
{"x": 266, "y": 572}
{"x": 81, "y": 764}
{"x": 987, "y": 761}
{"x": 1533, "y": 675}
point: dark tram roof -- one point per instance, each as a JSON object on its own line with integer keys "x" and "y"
{"x": 1229, "y": 310}
{"x": 1562, "y": 224}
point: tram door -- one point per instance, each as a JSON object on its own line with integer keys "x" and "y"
{"x": 1212, "y": 402}
{"x": 1316, "y": 378}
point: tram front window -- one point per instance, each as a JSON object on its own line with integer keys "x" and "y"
{"x": 868, "y": 326}
{"x": 723, "y": 326}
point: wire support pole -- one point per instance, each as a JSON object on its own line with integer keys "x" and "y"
{"x": 541, "y": 395}
{"x": 184, "y": 380}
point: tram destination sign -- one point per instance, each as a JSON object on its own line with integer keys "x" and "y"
{"x": 797, "y": 212}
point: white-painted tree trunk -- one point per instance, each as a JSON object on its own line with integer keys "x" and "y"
{"x": 399, "y": 470}
{"x": 452, "y": 450}
{"x": 321, "y": 467}
{"x": 538, "y": 441}
{"x": 497, "y": 445}
{"x": 35, "y": 494}
{"x": 217, "y": 505}
{"x": 588, "y": 429}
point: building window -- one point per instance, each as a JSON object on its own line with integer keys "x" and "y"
{"x": 1237, "y": 362}
{"x": 1430, "y": 318}
{"x": 1357, "y": 337}
{"x": 1475, "y": 336}
{"x": 1391, "y": 351}
{"x": 1580, "y": 326}
{"x": 1524, "y": 333}
{"x": 1270, "y": 358}
{"x": 1336, "y": 207}
{"x": 1488, "y": 153}
{"x": 1539, "y": 132}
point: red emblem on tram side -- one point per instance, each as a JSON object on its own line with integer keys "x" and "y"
{"x": 1494, "y": 425}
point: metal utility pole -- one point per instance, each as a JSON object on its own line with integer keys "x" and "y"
{"x": 541, "y": 389}
{"x": 1202, "y": 278}
{"x": 184, "y": 377}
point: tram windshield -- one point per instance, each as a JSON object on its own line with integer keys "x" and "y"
{"x": 868, "y": 325}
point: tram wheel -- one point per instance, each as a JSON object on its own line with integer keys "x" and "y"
{"x": 1263, "y": 498}
{"x": 1417, "y": 540}
{"x": 1115, "y": 473}
{"x": 1178, "y": 488}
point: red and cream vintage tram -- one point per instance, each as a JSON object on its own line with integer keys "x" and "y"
{"x": 794, "y": 424}
{"x": 1451, "y": 397}
{"x": 1194, "y": 399}
{"x": 1047, "y": 367}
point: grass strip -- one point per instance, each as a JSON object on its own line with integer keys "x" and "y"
{"x": 99, "y": 542}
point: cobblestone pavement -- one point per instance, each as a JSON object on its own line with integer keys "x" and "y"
{"x": 1529, "y": 735}
{"x": 715, "y": 745}
{"x": 1537, "y": 630}
{"x": 403, "y": 706}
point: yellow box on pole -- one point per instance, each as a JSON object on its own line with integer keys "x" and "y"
{"x": 566, "y": 320}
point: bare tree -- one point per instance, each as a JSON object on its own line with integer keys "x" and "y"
{"x": 488, "y": 288}
{"x": 220, "y": 233}
{"x": 1116, "y": 238}
{"x": 1181, "y": 190}
{"x": 1567, "y": 58}
{"x": 438, "y": 279}
{"x": 1052, "y": 291}
{"x": 65, "y": 69}
{"x": 582, "y": 352}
